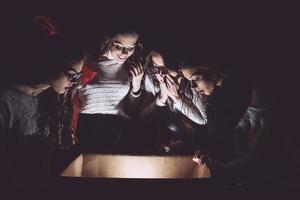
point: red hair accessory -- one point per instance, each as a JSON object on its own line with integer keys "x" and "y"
{"x": 47, "y": 25}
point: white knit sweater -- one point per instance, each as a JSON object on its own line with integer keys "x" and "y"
{"x": 106, "y": 93}
{"x": 195, "y": 112}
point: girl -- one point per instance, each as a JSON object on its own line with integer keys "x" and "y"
{"x": 110, "y": 92}
{"x": 33, "y": 118}
{"x": 164, "y": 97}
{"x": 227, "y": 101}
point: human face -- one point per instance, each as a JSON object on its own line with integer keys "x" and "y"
{"x": 122, "y": 47}
{"x": 158, "y": 66}
{"x": 197, "y": 82}
{"x": 65, "y": 80}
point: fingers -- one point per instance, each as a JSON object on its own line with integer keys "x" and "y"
{"x": 160, "y": 78}
{"x": 172, "y": 83}
{"x": 171, "y": 86}
{"x": 137, "y": 70}
{"x": 132, "y": 71}
{"x": 197, "y": 160}
{"x": 140, "y": 69}
{"x": 163, "y": 87}
{"x": 170, "y": 78}
{"x": 197, "y": 154}
{"x": 198, "y": 157}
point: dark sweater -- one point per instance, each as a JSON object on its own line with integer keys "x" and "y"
{"x": 226, "y": 106}
{"x": 23, "y": 147}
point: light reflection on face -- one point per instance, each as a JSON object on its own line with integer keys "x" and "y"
{"x": 62, "y": 82}
{"x": 122, "y": 47}
{"x": 158, "y": 66}
{"x": 197, "y": 82}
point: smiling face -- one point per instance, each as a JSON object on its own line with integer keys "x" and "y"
{"x": 122, "y": 47}
{"x": 198, "y": 82}
{"x": 65, "y": 80}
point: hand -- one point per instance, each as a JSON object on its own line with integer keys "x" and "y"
{"x": 160, "y": 78}
{"x": 137, "y": 73}
{"x": 199, "y": 157}
{"x": 163, "y": 96}
{"x": 172, "y": 88}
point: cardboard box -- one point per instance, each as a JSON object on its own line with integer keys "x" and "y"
{"x": 128, "y": 166}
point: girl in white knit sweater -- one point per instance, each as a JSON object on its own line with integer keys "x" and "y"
{"x": 110, "y": 97}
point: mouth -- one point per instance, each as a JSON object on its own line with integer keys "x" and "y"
{"x": 200, "y": 91}
{"x": 122, "y": 57}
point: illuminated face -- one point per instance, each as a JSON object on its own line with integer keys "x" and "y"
{"x": 158, "y": 66}
{"x": 65, "y": 80}
{"x": 197, "y": 82}
{"x": 122, "y": 47}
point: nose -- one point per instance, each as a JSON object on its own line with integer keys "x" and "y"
{"x": 124, "y": 50}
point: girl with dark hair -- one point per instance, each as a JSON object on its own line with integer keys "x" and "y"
{"x": 164, "y": 103}
{"x": 110, "y": 92}
{"x": 33, "y": 110}
{"x": 250, "y": 138}
{"x": 227, "y": 101}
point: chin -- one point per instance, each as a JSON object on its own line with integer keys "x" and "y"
{"x": 208, "y": 93}
{"x": 60, "y": 91}
{"x": 121, "y": 61}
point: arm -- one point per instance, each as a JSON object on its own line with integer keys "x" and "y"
{"x": 256, "y": 134}
{"x": 153, "y": 100}
{"x": 132, "y": 102}
{"x": 6, "y": 121}
{"x": 194, "y": 110}
{"x": 133, "y": 98}
{"x": 150, "y": 105}
{"x": 241, "y": 163}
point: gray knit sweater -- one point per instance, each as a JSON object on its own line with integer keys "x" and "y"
{"x": 18, "y": 113}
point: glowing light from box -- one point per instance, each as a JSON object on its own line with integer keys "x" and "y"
{"x": 133, "y": 167}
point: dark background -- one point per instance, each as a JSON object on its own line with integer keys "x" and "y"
{"x": 257, "y": 40}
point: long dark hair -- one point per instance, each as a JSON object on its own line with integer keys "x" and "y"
{"x": 55, "y": 110}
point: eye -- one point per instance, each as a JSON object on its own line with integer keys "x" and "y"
{"x": 118, "y": 47}
{"x": 130, "y": 48}
{"x": 193, "y": 84}
{"x": 198, "y": 78}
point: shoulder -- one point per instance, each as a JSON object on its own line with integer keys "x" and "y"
{"x": 8, "y": 94}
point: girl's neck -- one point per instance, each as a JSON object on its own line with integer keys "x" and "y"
{"x": 108, "y": 55}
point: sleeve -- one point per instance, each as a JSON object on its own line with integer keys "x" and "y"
{"x": 150, "y": 106}
{"x": 248, "y": 159}
{"x": 194, "y": 109}
{"x": 132, "y": 102}
{"x": 6, "y": 118}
